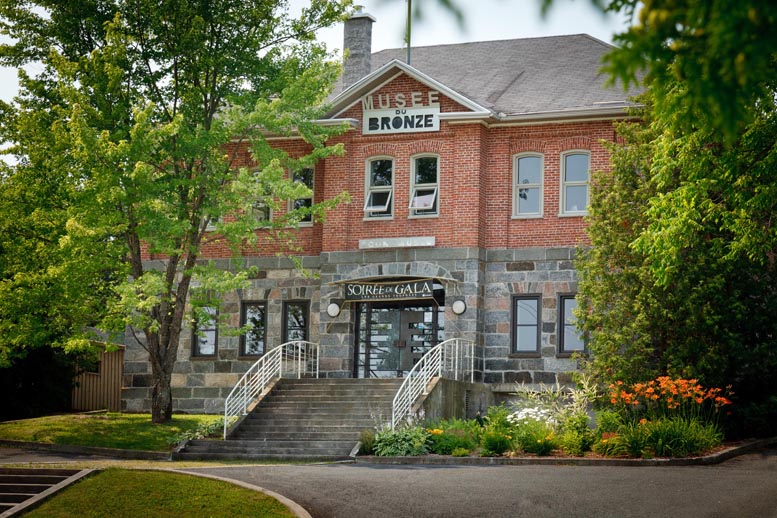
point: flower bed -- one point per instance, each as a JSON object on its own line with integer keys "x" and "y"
{"x": 660, "y": 418}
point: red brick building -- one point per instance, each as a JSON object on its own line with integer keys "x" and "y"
{"x": 468, "y": 172}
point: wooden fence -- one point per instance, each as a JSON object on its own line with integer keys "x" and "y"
{"x": 101, "y": 390}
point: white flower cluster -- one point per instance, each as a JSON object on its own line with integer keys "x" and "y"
{"x": 531, "y": 414}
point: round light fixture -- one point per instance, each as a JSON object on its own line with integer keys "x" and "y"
{"x": 333, "y": 309}
{"x": 459, "y": 307}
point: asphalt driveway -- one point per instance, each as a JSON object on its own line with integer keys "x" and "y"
{"x": 745, "y": 486}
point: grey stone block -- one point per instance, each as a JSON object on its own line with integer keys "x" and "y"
{"x": 520, "y": 266}
{"x": 182, "y": 392}
{"x": 222, "y": 367}
{"x": 142, "y": 380}
{"x": 517, "y": 377}
{"x": 202, "y": 366}
{"x": 195, "y": 380}
{"x": 136, "y": 367}
{"x": 189, "y": 404}
{"x": 492, "y": 377}
{"x": 530, "y": 254}
{"x": 547, "y": 378}
{"x": 559, "y": 253}
{"x": 182, "y": 367}
{"x": 502, "y": 255}
{"x": 206, "y": 392}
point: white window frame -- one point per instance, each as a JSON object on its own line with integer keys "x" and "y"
{"x": 294, "y": 178}
{"x": 565, "y": 184}
{"x": 372, "y": 212}
{"x": 415, "y": 187}
{"x": 261, "y": 205}
{"x": 517, "y": 187}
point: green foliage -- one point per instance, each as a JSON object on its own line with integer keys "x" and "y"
{"x": 184, "y": 496}
{"x": 686, "y": 287}
{"x": 460, "y": 452}
{"x": 367, "y": 442}
{"x": 607, "y": 421}
{"x": 533, "y": 436}
{"x": 129, "y": 140}
{"x": 666, "y": 437}
{"x": 408, "y": 441}
{"x": 495, "y": 442}
{"x": 110, "y": 430}
{"x": 201, "y": 431}
{"x": 449, "y": 440}
{"x": 496, "y": 419}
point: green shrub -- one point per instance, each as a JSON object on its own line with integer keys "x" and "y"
{"x": 496, "y": 419}
{"x": 444, "y": 443}
{"x": 575, "y": 443}
{"x": 633, "y": 440}
{"x": 680, "y": 437}
{"x": 203, "y": 430}
{"x": 460, "y": 452}
{"x": 409, "y": 441}
{"x": 607, "y": 421}
{"x": 495, "y": 443}
{"x": 367, "y": 440}
{"x": 610, "y": 445}
{"x": 534, "y": 436}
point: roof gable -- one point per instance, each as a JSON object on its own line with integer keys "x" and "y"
{"x": 389, "y": 72}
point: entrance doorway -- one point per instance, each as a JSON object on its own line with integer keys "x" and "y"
{"x": 393, "y": 336}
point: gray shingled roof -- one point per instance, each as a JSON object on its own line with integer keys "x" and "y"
{"x": 549, "y": 74}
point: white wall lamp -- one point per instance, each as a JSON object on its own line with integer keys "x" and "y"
{"x": 458, "y": 307}
{"x": 333, "y": 309}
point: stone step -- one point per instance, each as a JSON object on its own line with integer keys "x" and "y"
{"x": 341, "y": 435}
{"x": 323, "y": 429}
{"x": 14, "y": 498}
{"x": 258, "y": 457}
{"x": 32, "y": 489}
{"x": 31, "y": 479}
{"x": 38, "y": 471}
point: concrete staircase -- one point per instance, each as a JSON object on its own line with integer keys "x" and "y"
{"x": 304, "y": 419}
{"x": 21, "y": 485}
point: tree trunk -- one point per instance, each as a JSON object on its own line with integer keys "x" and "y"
{"x": 161, "y": 397}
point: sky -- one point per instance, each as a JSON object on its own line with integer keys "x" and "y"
{"x": 484, "y": 20}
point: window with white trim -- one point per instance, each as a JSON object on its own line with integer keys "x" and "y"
{"x": 569, "y": 338}
{"x": 574, "y": 182}
{"x": 527, "y": 185}
{"x": 424, "y": 186}
{"x": 379, "y": 188}
{"x": 306, "y": 177}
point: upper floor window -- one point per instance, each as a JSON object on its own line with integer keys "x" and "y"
{"x": 253, "y": 315}
{"x": 574, "y": 182}
{"x": 306, "y": 177}
{"x": 204, "y": 334}
{"x": 425, "y": 179}
{"x": 262, "y": 211}
{"x": 526, "y": 316}
{"x": 379, "y": 188}
{"x": 295, "y": 321}
{"x": 527, "y": 186}
{"x": 569, "y": 339}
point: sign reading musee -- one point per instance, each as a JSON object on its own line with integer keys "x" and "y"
{"x": 367, "y": 291}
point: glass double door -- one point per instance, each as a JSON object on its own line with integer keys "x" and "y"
{"x": 393, "y": 336}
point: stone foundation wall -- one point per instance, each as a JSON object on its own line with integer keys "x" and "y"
{"x": 484, "y": 280}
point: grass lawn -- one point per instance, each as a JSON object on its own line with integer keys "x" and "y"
{"x": 109, "y": 430}
{"x": 126, "y": 493}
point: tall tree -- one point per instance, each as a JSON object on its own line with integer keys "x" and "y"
{"x": 149, "y": 103}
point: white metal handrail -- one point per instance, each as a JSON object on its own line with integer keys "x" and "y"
{"x": 452, "y": 359}
{"x": 292, "y": 359}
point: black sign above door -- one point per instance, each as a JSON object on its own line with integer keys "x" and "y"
{"x": 403, "y": 290}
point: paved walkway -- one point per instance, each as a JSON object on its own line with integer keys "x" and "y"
{"x": 742, "y": 487}
{"x": 745, "y": 486}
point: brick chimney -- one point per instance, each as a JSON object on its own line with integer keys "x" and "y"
{"x": 358, "y": 42}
